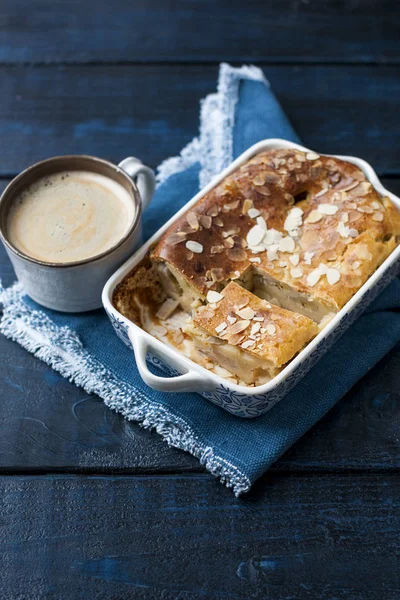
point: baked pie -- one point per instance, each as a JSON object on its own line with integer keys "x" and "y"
{"x": 290, "y": 230}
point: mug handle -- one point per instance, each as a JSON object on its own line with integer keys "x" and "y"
{"x": 143, "y": 176}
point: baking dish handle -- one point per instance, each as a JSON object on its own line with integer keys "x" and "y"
{"x": 191, "y": 381}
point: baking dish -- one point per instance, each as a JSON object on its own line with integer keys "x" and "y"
{"x": 184, "y": 375}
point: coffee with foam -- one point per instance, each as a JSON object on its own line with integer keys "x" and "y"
{"x": 70, "y": 216}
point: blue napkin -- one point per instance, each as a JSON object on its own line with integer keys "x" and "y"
{"x": 85, "y": 349}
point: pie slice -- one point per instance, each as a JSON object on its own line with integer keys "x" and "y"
{"x": 246, "y": 335}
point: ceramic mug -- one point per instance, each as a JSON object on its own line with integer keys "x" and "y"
{"x": 77, "y": 286}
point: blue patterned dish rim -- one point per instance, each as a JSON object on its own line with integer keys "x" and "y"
{"x": 186, "y": 375}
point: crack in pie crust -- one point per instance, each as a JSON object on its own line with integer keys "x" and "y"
{"x": 302, "y": 231}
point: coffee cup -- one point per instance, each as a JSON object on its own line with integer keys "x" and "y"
{"x": 68, "y": 222}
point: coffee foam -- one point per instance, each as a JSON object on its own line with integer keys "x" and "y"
{"x": 70, "y": 216}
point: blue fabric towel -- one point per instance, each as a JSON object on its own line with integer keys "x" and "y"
{"x": 85, "y": 348}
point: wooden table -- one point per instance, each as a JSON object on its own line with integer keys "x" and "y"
{"x": 94, "y": 507}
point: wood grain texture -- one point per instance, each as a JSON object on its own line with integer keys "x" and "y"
{"x": 174, "y": 537}
{"x": 324, "y": 523}
{"x": 152, "y": 110}
{"x": 46, "y": 423}
{"x": 200, "y": 31}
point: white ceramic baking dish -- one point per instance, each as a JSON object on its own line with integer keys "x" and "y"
{"x": 184, "y": 375}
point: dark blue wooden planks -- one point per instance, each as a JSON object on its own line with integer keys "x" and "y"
{"x": 46, "y": 423}
{"x": 200, "y": 31}
{"x": 152, "y": 111}
{"x": 168, "y": 537}
{"x": 171, "y": 537}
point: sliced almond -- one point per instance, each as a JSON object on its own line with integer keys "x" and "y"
{"x": 238, "y": 327}
{"x": 272, "y": 236}
{"x": 333, "y": 276}
{"x": 257, "y": 249}
{"x": 255, "y": 328}
{"x": 255, "y": 235}
{"x": 186, "y": 229}
{"x": 193, "y": 221}
{"x": 343, "y": 230}
{"x": 242, "y": 303}
{"x": 248, "y": 344}
{"x": 235, "y": 339}
{"x": 259, "y": 179}
{"x": 214, "y": 297}
{"x": 233, "y": 230}
{"x": 272, "y": 177}
{"x": 365, "y": 209}
{"x": 308, "y": 257}
{"x": 247, "y": 205}
{"x": 195, "y": 247}
{"x": 236, "y": 254}
{"x": 230, "y": 206}
{"x": 229, "y": 242}
{"x": 321, "y": 192}
{"x": 352, "y": 185}
{"x": 272, "y": 254}
{"x": 176, "y": 238}
{"x": 314, "y": 217}
{"x": 261, "y": 222}
{"x": 239, "y": 241}
{"x": 327, "y": 209}
{"x": 213, "y": 210}
{"x": 217, "y": 249}
{"x": 264, "y": 191}
{"x": 246, "y": 313}
{"x": 312, "y": 156}
{"x": 313, "y": 277}
{"x": 217, "y": 274}
{"x": 253, "y": 213}
{"x": 293, "y": 219}
{"x": 206, "y": 221}
{"x": 287, "y": 244}
{"x": 221, "y": 327}
{"x": 271, "y": 329}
